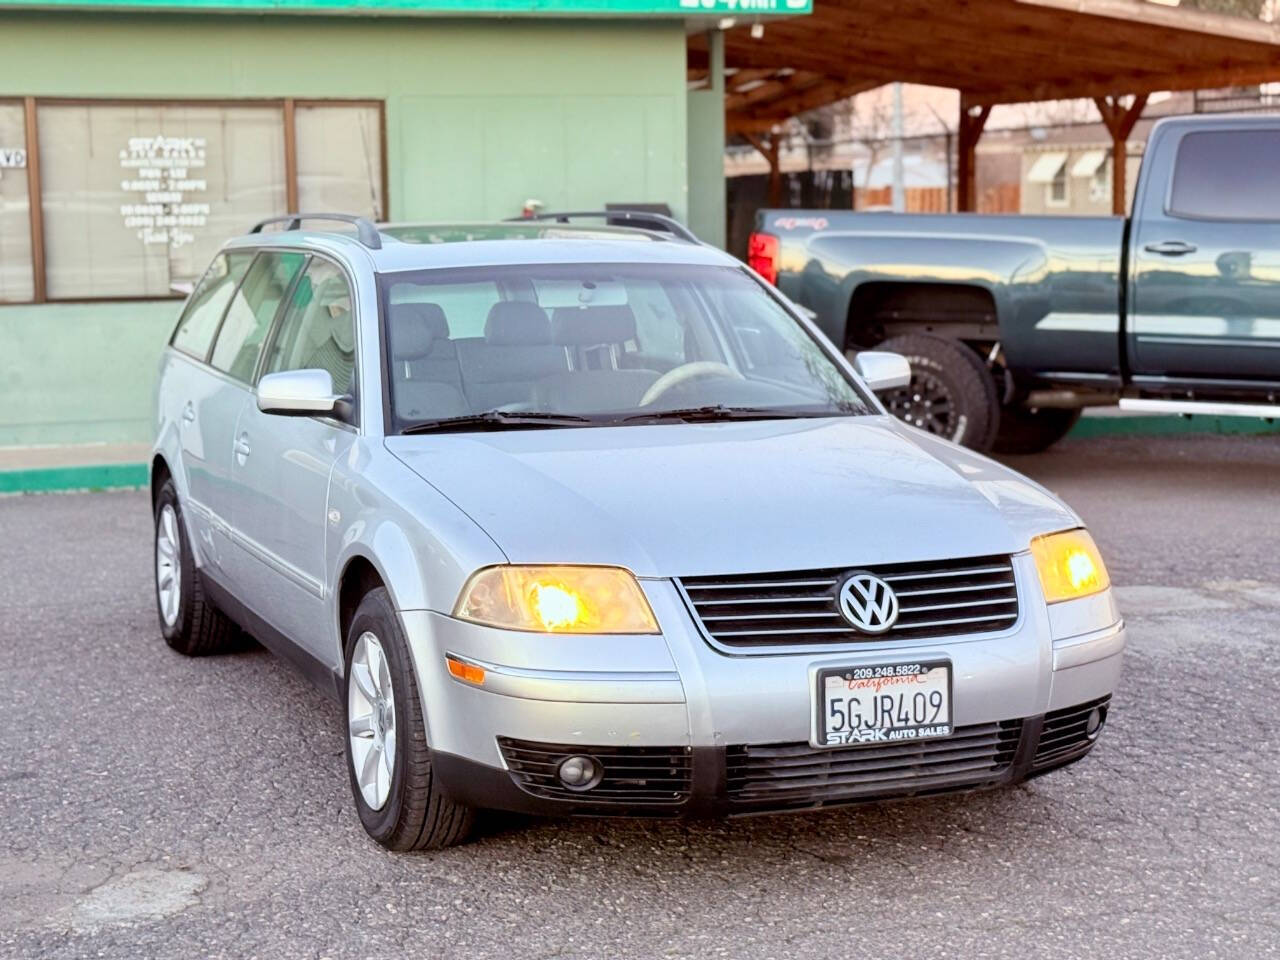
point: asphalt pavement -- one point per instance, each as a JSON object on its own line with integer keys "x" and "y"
{"x": 153, "y": 806}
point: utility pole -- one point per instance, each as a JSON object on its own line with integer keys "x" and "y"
{"x": 899, "y": 193}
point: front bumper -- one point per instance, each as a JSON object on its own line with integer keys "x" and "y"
{"x": 744, "y": 780}
{"x": 710, "y": 733}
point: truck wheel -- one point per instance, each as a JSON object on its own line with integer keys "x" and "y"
{"x": 951, "y": 393}
{"x": 1027, "y": 430}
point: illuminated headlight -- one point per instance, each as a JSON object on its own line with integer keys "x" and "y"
{"x": 1069, "y": 565}
{"x": 556, "y": 599}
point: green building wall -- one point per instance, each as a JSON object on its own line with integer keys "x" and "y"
{"x": 481, "y": 116}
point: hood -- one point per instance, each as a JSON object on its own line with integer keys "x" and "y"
{"x": 720, "y": 498}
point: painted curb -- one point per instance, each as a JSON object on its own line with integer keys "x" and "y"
{"x": 1165, "y": 425}
{"x": 105, "y": 476}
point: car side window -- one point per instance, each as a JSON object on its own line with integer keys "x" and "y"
{"x": 318, "y": 329}
{"x": 1217, "y": 176}
{"x": 199, "y": 320}
{"x": 253, "y": 308}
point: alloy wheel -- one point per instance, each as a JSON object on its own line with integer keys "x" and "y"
{"x": 371, "y": 720}
{"x": 168, "y": 564}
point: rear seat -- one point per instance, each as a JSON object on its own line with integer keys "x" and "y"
{"x": 515, "y": 353}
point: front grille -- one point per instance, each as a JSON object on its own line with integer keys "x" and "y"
{"x": 943, "y": 598}
{"x": 645, "y": 776}
{"x": 780, "y": 776}
{"x": 1065, "y": 734}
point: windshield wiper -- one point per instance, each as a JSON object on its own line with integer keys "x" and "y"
{"x": 718, "y": 411}
{"x": 498, "y": 420}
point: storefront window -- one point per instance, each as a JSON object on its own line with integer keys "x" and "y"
{"x": 16, "y": 276}
{"x": 138, "y": 197}
{"x": 340, "y": 158}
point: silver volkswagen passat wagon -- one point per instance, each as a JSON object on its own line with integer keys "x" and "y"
{"x": 581, "y": 519}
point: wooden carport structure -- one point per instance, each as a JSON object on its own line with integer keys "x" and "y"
{"x": 991, "y": 51}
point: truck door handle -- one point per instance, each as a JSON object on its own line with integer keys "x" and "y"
{"x": 189, "y": 413}
{"x": 1171, "y": 248}
{"x": 243, "y": 449}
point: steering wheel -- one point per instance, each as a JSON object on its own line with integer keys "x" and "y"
{"x": 684, "y": 373}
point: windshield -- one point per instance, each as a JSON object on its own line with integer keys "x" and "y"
{"x": 593, "y": 344}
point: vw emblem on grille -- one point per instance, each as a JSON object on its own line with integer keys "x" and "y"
{"x": 868, "y": 603}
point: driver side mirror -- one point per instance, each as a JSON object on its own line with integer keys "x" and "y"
{"x": 881, "y": 370}
{"x": 299, "y": 393}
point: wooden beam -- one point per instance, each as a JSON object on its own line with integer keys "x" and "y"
{"x": 808, "y": 99}
{"x": 35, "y": 208}
{"x": 1119, "y": 121}
{"x": 956, "y": 32}
{"x": 973, "y": 117}
{"x": 1099, "y": 86}
{"x": 772, "y": 90}
{"x": 1145, "y": 15}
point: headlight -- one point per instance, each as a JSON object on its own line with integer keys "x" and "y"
{"x": 1069, "y": 565}
{"x": 556, "y": 599}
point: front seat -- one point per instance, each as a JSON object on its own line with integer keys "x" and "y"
{"x": 422, "y": 358}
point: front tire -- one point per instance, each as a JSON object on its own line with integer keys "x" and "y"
{"x": 397, "y": 796}
{"x": 190, "y": 622}
{"x": 951, "y": 394}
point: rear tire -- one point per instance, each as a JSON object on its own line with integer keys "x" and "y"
{"x": 1027, "y": 430}
{"x": 189, "y": 620}
{"x": 407, "y": 810}
{"x": 951, "y": 394}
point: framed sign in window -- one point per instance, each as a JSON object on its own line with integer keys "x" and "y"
{"x": 129, "y": 199}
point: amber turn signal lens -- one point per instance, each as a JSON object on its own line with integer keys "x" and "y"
{"x": 465, "y": 671}
{"x": 1069, "y": 565}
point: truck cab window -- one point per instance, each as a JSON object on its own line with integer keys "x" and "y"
{"x": 1223, "y": 175}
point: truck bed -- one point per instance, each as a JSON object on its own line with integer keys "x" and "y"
{"x": 1054, "y": 282}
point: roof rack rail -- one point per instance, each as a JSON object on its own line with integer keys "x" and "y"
{"x": 365, "y": 229}
{"x": 637, "y": 218}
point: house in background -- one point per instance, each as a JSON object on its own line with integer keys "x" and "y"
{"x": 1074, "y": 177}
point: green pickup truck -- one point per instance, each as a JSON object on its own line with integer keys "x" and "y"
{"x": 1013, "y": 324}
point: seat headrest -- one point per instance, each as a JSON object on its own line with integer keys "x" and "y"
{"x": 415, "y": 328}
{"x": 592, "y": 326}
{"x": 517, "y": 323}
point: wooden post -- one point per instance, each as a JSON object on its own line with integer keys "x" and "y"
{"x": 35, "y": 209}
{"x": 973, "y": 118}
{"x": 1119, "y": 121}
{"x": 769, "y": 148}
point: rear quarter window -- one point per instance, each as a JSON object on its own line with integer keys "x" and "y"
{"x": 199, "y": 321}
{"x": 1226, "y": 175}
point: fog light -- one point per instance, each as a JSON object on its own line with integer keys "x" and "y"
{"x": 580, "y": 773}
{"x": 1093, "y": 725}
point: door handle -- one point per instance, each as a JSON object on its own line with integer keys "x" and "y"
{"x": 189, "y": 413}
{"x": 243, "y": 449}
{"x": 1171, "y": 248}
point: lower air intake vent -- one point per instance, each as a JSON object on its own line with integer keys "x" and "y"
{"x": 779, "y": 776}
{"x": 1070, "y": 733}
{"x": 631, "y": 776}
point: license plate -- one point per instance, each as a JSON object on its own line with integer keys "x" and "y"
{"x": 883, "y": 703}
